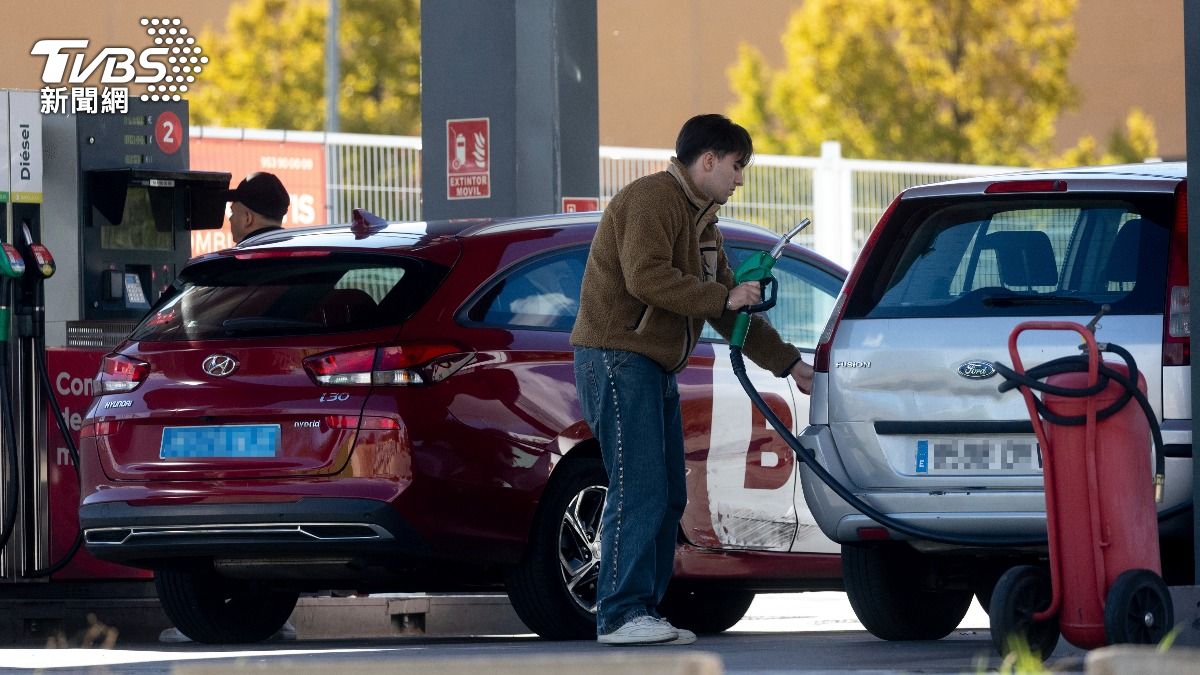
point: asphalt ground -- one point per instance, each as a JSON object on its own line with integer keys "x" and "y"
{"x": 785, "y": 633}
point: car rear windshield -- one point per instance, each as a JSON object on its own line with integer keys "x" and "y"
{"x": 301, "y": 295}
{"x": 1046, "y": 256}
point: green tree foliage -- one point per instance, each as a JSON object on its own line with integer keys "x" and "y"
{"x": 966, "y": 81}
{"x": 1136, "y": 142}
{"x": 267, "y": 69}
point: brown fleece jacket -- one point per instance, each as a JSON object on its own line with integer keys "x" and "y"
{"x": 657, "y": 270}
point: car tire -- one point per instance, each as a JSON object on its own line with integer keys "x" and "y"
{"x": 705, "y": 611}
{"x": 553, "y": 588}
{"x": 883, "y": 585}
{"x": 212, "y": 609}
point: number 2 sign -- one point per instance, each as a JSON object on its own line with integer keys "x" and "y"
{"x": 168, "y": 132}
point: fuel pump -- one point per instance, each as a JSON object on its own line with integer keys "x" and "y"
{"x": 40, "y": 266}
{"x": 12, "y": 267}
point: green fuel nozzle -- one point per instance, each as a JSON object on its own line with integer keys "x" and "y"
{"x": 12, "y": 266}
{"x": 758, "y": 267}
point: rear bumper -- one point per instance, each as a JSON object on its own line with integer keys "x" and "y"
{"x": 973, "y": 510}
{"x": 152, "y": 535}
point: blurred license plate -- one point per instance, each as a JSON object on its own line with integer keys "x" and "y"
{"x": 238, "y": 440}
{"x": 951, "y": 455}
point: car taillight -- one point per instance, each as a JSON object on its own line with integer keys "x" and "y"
{"x": 1176, "y": 349}
{"x": 119, "y": 374}
{"x": 419, "y": 362}
{"x": 402, "y": 364}
{"x": 343, "y": 368}
{"x": 821, "y": 357}
{"x": 91, "y": 429}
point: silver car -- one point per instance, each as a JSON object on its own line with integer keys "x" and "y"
{"x": 905, "y": 409}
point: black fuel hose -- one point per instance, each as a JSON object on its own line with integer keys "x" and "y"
{"x": 805, "y": 455}
{"x": 11, "y": 480}
{"x": 739, "y": 369}
{"x": 39, "y": 351}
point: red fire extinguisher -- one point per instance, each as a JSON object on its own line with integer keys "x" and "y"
{"x": 1104, "y": 580}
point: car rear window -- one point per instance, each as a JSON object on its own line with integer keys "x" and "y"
{"x": 1020, "y": 257}
{"x": 305, "y": 295}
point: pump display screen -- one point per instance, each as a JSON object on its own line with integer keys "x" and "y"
{"x": 137, "y": 230}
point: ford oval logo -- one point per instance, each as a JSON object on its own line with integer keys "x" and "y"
{"x": 219, "y": 365}
{"x": 977, "y": 370}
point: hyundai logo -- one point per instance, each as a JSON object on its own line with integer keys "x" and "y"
{"x": 219, "y": 365}
{"x": 977, "y": 370}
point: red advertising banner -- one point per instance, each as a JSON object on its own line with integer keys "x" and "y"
{"x": 301, "y": 167}
{"x": 575, "y": 204}
{"x": 468, "y": 158}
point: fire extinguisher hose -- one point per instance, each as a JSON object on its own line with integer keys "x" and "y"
{"x": 1079, "y": 363}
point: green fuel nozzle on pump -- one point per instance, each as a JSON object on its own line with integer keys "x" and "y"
{"x": 12, "y": 266}
{"x": 758, "y": 267}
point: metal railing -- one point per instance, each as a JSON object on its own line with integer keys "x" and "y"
{"x": 844, "y": 197}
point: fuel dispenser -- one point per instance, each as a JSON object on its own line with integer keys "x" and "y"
{"x": 101, "y": 227}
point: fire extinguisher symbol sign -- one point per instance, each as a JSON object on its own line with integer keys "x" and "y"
{"x": 468, "y": 158}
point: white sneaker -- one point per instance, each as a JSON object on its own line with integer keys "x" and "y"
{"x": 173, "y": 634}
{"x": 642, "y": 630}
{"x": 683, "y": 635}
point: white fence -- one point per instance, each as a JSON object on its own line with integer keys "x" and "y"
{"x": 844, "y": 197}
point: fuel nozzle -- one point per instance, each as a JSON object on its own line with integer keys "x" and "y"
{"x": 757, "y": 267}
{"x": 43, "y": 263}
{"x": 39, "y": 266}
{"x": 778, "y": 249}
{"x": 12, "y": 266}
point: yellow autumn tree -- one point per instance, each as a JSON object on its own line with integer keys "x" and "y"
{"x": 965, "y": 81}
{"x": 267, "y": 69}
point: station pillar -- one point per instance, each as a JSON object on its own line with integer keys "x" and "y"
{"x": 509, "y": 107}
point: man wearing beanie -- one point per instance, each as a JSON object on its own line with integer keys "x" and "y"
{"x": 259, "y": 204}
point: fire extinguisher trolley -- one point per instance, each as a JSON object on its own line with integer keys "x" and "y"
{"x": 1104, "y": 584}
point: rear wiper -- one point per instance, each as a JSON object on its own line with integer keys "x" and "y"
{"x": 1015, "y": 300}
{"x": 252, "y": 324}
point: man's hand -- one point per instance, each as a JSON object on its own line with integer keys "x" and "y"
{"x": 802, "y": 373}
{"x": 743, "y": 295}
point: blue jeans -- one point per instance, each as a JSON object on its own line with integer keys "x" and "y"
{"x": 632, "y": 407}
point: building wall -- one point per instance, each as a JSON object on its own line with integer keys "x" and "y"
{"x": 662, "y": 61}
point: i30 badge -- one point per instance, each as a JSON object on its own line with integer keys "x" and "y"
{"x": 977, "y": 370}
{"x": 219, "y": 365}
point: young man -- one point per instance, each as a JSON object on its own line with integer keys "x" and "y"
{"x": 656, "y": 272}
{"x": 259, "y": 204}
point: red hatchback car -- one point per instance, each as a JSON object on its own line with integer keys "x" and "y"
{"x": 391, "y": 407}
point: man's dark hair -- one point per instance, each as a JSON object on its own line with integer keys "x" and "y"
{"x": 712, "y": 132}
